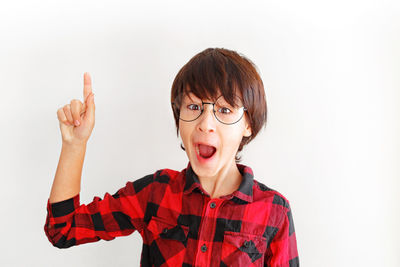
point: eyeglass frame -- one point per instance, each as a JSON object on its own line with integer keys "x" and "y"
{"x": 213, "y": 108}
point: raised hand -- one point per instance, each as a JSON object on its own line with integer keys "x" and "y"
{"x": 77, "y": 119}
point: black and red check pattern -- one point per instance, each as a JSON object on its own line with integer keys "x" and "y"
{"x": 180, "y": 224}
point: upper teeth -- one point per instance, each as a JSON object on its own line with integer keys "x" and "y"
{"x": 198, "y": 150}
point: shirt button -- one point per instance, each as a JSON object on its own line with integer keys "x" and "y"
{"x": 212, "y": 205}
{"x": 165, "y": 230}
{"x": 203, "y": 248}
{"x": 246, "y": 244}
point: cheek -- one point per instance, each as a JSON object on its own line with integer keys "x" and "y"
{"x": 231, "y": 139}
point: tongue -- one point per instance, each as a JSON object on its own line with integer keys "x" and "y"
{"x": 206, "y": 151}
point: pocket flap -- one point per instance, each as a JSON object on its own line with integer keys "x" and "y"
{"x": 166, "y": 230}
{"x": 246, "y": 242}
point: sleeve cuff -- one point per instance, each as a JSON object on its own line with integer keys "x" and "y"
{"x": 64, "y": 207}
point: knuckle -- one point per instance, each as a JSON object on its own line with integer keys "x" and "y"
{"x": 67, "y": 113}
{"x": 60, "y": 114}
{"x": 73, "y": 109}
{"x": 76, "y": 106}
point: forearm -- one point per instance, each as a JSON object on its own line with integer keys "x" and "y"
{"x": 67, "y": 180}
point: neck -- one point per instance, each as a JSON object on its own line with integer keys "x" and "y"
{"x": 224, "y": 183}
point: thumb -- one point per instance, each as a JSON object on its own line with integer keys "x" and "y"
{"x": 90, "y": 107}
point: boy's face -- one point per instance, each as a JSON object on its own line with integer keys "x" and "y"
{"x": 210, "y": 145}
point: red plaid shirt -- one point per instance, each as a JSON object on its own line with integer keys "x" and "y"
{"x": 181, "y": 225}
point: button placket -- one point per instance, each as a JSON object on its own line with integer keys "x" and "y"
{"x": 211, "y": 208}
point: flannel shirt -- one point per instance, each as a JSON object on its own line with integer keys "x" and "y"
{"x": 181, "y": 225}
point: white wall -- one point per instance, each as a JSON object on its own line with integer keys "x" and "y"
{"x": 331, "y": 145}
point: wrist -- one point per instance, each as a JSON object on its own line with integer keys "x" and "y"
{"x": 75, "y": 145}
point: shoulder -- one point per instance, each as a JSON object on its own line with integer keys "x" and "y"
{"x": 263, "y": 193}
{"x": 160, "y": 176}
{"x": 276, "y": 205}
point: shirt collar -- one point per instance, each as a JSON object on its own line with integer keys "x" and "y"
{"x": 244, "y": 192}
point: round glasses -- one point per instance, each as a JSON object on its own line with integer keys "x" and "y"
{"x": 192, "y": 108}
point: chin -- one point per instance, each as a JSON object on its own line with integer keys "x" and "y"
{"x": 204, "y": 167}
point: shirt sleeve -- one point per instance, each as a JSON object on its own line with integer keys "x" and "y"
{"x": 68, "y": 223}
{"x": 282, "y": 251}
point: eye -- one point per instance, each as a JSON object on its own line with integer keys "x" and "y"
{"x": 224, "y": 110}
{"x": 193, "y": 107}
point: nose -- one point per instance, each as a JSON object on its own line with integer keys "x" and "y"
{"x": 207, "y": 119}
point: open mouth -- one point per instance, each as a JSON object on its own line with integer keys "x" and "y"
{"x": 205, "y": 151}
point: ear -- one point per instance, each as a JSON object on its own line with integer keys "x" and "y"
{"x": 247, "y": 131}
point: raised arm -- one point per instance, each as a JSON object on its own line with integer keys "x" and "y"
{"x": 76, "y": 124}
{"x": 69, "y": 223}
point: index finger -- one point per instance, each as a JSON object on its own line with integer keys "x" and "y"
{"x": 87, "y": 86}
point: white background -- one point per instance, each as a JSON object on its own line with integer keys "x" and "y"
{"x": 331, "y": 145}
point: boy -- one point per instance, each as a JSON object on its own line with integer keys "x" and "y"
{"x": 213, "y": 212}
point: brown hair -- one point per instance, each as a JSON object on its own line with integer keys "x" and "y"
{"x": 219, "y": 71}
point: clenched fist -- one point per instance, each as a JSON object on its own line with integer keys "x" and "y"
{"x": 77, "y": 118}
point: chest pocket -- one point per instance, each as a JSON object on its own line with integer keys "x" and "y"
{"x": 169, "y": 240}
{"x": 167, "y": 234}
{"x": 240, "y": 249}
